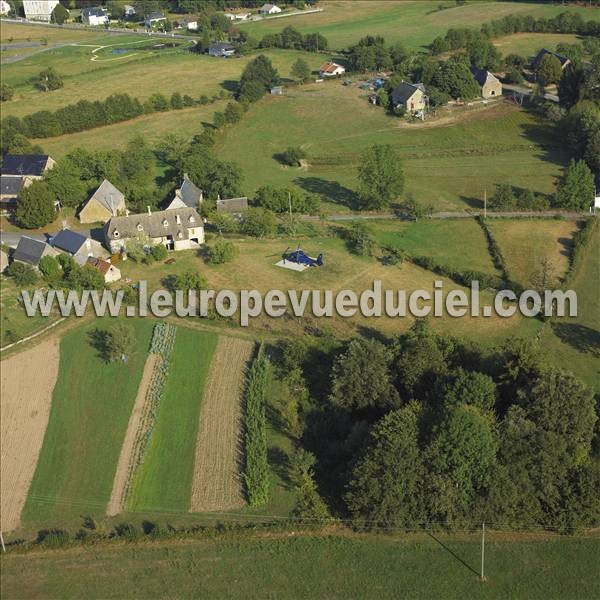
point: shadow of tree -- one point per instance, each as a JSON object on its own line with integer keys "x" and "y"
{"x": 280, "y": 463}
{"x": 330, "y": 190}
{"x": 582, "y": 338}
{"x": 98, "y": 339}
{"x": 550, "y": 148}
{"x": 230, "y": 85}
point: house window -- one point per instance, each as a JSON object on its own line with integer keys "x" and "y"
{"x": 165, "y": 223}
{"x": 191, "y": 219}
{"x": 140, "y": 227}
{"x": 115, "y": 233}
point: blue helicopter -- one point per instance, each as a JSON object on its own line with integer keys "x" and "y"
{"x": 300, "y": 257}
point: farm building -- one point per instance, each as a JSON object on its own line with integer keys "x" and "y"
{"x": 128, "y": 10}
{"x": 276, "y": 90}
{"x": 221, "y": 49}
{"x": 94, "y": 16}
{"x": 186, "y": 196}
{"x": 187, "y": 22}
{"x": 31, "y": 251}
{"x": 154, "y": 19}
{"x": 331, "y": 69}
{"x": 179, "y": 229}
{"x": 105, "y": 268}
{"x": 490, "y": 85}
{"x": 564, "y": 61}
{"x": 269, "y": 9}
{"x": 78, "y": 246}
{"x": 106, "y": 202}
{"x": 10, "y": 187}
{"x": 410, "y": 96}
{"x": 39, "y": 10}
{"x": 232, "y": 206}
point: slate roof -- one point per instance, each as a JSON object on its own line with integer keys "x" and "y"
{"x": 68, "y": 241}
{"x": 220, "y": 46}
{"x": 563, "y": 59}
{"x": 108, "y": 196}
{"x": 11, "y": 185}
{"x": 481, "y": 75}
{"x": 24, "y": 164}
{"x": 155, "y": 16}
{"x": 232, "y": 205}
{"x": 29, "y": 250}
{"x": 161, "y": 223}
{"x": 404, "y": 91}
{"x": 93, "y": 12}
{"x": 189, "y": 193}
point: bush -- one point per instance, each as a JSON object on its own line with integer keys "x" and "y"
{"x": 258, "y": 222}
{"x": 222, "y": 252}
{"x": 159, "y": 252}
{"x": 292, "y": 156}
{"x": 360, "y": 240}
{"x": 53, "y": 538}
{"x": 22, "y": 273}
{"x": 50, "y": 268}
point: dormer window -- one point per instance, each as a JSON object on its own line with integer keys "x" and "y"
{"x": 140, "y": 227}
{"x": 116, "y": 233}
{"x": 192, "y": 219}
{"x": 180, "y": 235}
{"x": 165, "y": 223}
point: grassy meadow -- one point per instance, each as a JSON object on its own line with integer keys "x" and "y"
{"x": 414, "y": 23}
{"x": 529, "y": 44}
{"x": 91, "y": 404}
{"x": 312, "y": 566}
{"x": 163, "y": 481}
{"x": 449, "y": 161}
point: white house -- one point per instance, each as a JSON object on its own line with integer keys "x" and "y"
{"x": 4, "y": 7}
{"x": 39, "y": 10}
{"x": 176, "y": 229}
{"x": 105, "y": 268}
{"x": 154, "y": 19}
{"x": 269, "y": 9}
{"x": 331, "y": 69}
{"x": 128, "y": 10}
{"x": 188, "y": 22}
{"x": 94, "y": 16}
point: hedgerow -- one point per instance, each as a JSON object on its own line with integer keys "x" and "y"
{"x": 256, "y": 472}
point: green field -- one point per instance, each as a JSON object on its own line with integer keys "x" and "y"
{"x": 528, "y": 44}
{"x": 458, "y": 243}
{"x": 449, "y": 162}
{"x": 414, "y": 23}
{"x": 573, "y": 343}
{"x": 303, "y": 566}
{"x": 91, "y": 404}
{"x": 139, "y": 75}
{"x": 163, "y": 481}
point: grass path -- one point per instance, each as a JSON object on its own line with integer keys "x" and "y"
{"x": 164, "y": 479}
{"x": 217, "y": 483}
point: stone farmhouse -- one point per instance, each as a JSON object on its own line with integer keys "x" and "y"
{"x": 30, "y": 251}
{"x": 78, "y": 246}
{"x": 105, "y": 268}
{"x": 18, "y": 172}
{"x": 410, "y": 96}
{"x": 188, "y": 195}
{"x": 564, "y": 61}
{"x": 176, "y": 229}
{"x": 106, "y": 202}
{"x": 232, "y": 206}
{"x": 490, "y": 85}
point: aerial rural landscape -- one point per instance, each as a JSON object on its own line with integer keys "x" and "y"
{"x": 164, "y": 149}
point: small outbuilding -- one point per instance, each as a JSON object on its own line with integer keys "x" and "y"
{"x": 30, "y": 251}
{"x": 221, "y": 49}
{"x": 410, "y": 96}
{"x": 331, "y": 69}
{"x": 78, "y": 246}
{"x": 106, "y": 202}
{"x": 94, "y": 16}
{"x": 490, "y": 85}
{"x": 232, "y": 206}
{"x": 105, "y": 268}
{"x": 276, "y": 90}
{"x": 269, "y": 9}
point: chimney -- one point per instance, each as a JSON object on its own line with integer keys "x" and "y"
{"x": 149, "y": 211}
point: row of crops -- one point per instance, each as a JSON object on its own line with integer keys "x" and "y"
{"x": 163, "y": 341}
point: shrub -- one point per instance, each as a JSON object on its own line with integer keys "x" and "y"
{"x": 53, "y": 538}
{"x": 22, "y": 273}
{"x": 360, "y": 240}
{"x": 50, "y": 268}
{"x": 292, "y": 156}
{"x": 159, "y": 252}
{"x": 223, "y": 251}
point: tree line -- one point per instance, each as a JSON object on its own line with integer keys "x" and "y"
{"x": 432, "y": 431}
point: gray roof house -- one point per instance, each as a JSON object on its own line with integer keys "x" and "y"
{"x": 106, "y": 202}
{"x": 10, "y": 187}
{"x": 232, "y": 206}
{"x": 176, "y": 229}
{"x": 188, "y": 195}
{"x": 154, "y": 18}
{"x": 76, "y": 245}
{"x": 221, "y": 49}
{"x": 33, "y": 165}
{"x": 490, "y": 85}
{"x": 410, "y": 96}
{"x": 564, "y": 61}
{"x": 31, "y": 251}
{"x": 94, "y": 16}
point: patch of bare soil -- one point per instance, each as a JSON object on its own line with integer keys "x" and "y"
{"x": 116, "y": 503}
{"x": 217, "y": 481}
{"x": 27, "y": 382}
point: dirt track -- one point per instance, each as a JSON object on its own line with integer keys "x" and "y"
{"x": 217, "y": 482}
{"x": 116, "y": 503}
{"x": 28, "y": 380}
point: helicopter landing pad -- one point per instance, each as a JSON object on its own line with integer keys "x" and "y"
{"x": 293, "y": 266}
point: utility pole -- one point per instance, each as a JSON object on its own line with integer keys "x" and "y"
{"x": 2, "y": 542}
{"x": 485, "y": 203}
{"x": 482, "y": 551}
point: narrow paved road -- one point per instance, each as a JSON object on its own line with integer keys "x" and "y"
{"x": 519, "y": 89}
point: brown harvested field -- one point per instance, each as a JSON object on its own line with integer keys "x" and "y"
{"x": 217, "y": 481}
{"x": 116, "y": 503}
{"x": 27, "y": 382}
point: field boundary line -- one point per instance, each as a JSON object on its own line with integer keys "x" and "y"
{"x": 33, "y": 335}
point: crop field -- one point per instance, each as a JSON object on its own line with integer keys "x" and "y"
{"x": 217, "y": 481}
{"x": 141, "y": 75}
{"x": 525, "y": 244}
{"x": 186, "y": 122}
{"x": 91, "y": 404}
{"x": 255, "y": 268}
{"x": 314, "y": 565}
{"x": 164, "y": 480}
{"x": 574, "y": 342}
{"x": 443, "y": 240}
{"x": 414, "y": 23}
{"x": 28, "y": 379}
{"x": 449, "y": 162}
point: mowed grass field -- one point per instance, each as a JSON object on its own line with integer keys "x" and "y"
{"x": 164, "y": 480}
{"x": 312, "y": 566}
{"x": 186, "y": 122}
{"x": 139, "y": 75}
{"x": 573, "y": 343}
{"x": 414, "y": 23}
{"x": 448, "y": 162}
{"x": 526, "y": 243}
{"x": 529, "y": 44}
{"x": 91, "y": 404}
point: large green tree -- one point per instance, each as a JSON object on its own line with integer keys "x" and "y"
{"x": 35, "y": 206}
{"x": 575, "y": 191}
{"x": 549, "y": 70}
{"x": 381, "y": 177}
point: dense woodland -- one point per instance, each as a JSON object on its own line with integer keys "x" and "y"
{"x": 430, "y": 431}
